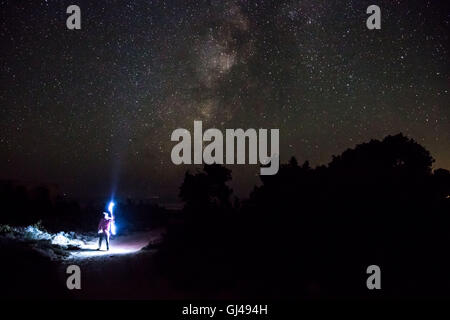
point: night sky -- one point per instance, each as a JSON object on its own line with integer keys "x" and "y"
{"x": 93, "y": 109}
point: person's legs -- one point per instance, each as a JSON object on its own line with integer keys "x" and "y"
{"x": 107, "y": 240}
{"x": 100, "y": 240}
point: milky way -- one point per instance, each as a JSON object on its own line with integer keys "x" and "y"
{"x": 93, "y": 109}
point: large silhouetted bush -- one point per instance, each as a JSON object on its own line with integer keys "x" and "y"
{"x": 309, "y": 232}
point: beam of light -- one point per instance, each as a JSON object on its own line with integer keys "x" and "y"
{"x": 111, "y": 206}
{"x": 113, "y": 223}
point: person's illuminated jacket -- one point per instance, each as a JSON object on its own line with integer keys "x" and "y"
{"x": 105, "y": 225}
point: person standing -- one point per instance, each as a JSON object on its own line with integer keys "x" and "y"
{"x": 104, "y": 230}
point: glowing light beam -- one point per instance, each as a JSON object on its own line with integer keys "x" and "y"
{"x": 113, "y": 223}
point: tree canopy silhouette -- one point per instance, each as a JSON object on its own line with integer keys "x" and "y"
{"x": 207, "y": 192}
{"x": 313, "y": 231}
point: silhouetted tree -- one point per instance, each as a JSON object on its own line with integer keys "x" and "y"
{"x": 313, "y": 231}
{"x": 207, "y": 192}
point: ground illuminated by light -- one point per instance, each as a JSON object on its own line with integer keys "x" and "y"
{"x": 118, "y": 246}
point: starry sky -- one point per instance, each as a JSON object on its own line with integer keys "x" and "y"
{"x": 93, "y": 109}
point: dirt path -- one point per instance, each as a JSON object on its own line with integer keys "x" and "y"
{"x": 118, "y": 245}
{"x": 123, "y": 272}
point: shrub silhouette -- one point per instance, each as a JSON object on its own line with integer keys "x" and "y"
{"x": 309, "y": 232}
{"x": 207, "y": 192}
